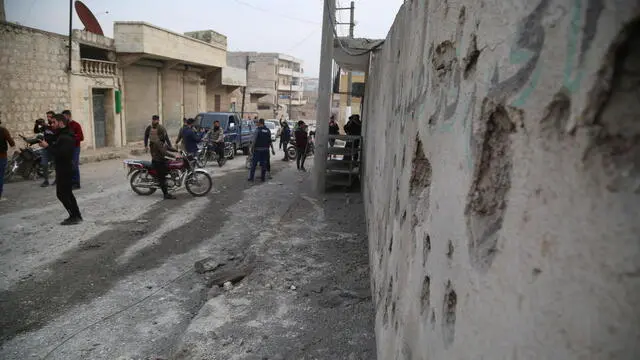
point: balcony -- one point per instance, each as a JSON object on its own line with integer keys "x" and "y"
{"x": 285, "y": 71}
{"x": 287, "y": 87}
{"x": 150, "y": 41}
{"x": 98, "y": 67}
{"x": 284, "y": 100}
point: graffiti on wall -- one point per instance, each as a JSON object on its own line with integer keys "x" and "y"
{"x": 530, "y": 42}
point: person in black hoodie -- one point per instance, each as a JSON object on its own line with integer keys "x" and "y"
{"x": 62, "y": 152}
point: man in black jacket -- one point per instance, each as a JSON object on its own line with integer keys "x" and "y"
{"x": 62, "y": 152}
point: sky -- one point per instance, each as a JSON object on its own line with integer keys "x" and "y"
{"x": 292, "y": 27}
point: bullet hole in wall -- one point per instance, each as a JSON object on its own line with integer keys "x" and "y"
{"x": 449, "y": 315}
{"x": 425, "y": 297}
{"x": 487, "y": 197}
{"x": 450, "y": 249}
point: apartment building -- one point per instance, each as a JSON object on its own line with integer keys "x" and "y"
{"x": 274, "y": 82}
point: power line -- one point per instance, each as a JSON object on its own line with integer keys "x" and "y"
{"x": 303, "y": 40}
{"x": 335, "y": 33}
{"x": 241, "y": 2}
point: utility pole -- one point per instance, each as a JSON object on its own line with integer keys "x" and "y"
{"x": 324, "y": 98}
{"x": 290, "y": 96}
{"x": 352, "y": 25}
{"x": 244, "y": 89}
{"x": 70, "y": 33}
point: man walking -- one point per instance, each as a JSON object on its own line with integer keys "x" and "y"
{"x": 76, "y": 130}
{"x": 63, "y": 152}
{"x": 184, "y": 125}
{"x": 302, "y": 140}
{"x": 6, "y": 141}
{"x": 261, "y": 144}
{"x": 159, "y": 146}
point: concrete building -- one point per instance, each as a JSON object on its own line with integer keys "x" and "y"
{"x": 114, "y": 86}
{"x": 274, "y": 82}
{"x": 501, "y": 181}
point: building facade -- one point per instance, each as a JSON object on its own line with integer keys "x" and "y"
{"x": 274, "y": 83}
{"x": 114, "y": 86}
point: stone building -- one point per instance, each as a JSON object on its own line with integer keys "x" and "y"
{"x": 274, "y": 82}
{"x": 114, "y": 86}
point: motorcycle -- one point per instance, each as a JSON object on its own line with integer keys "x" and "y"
{"x": 206, "y": 153}
{"x": 26, "y": 161}
{"x": 182, "y": 171}
{"x": 292, "y": 150}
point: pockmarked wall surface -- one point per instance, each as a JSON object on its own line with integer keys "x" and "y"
{"x": 34, "y": 78}
{"x": 502, "y": 180}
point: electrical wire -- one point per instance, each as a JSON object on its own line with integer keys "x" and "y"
{"x": 241, "y": 2}
{"x": 335, "y": 33}
{"x": 303, "y": 40}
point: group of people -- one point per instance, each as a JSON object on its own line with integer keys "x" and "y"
{"x": 60, "y": 140}
{"x": 301, "y": 136}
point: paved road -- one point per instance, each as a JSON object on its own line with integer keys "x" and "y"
{"x": 58, "y": 281}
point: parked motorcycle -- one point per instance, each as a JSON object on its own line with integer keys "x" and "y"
{"x": 182, "y": 171}
{"x": 26, "y": 161}
{"x": 292, "y": 151}
{"x": 206, "y": 153}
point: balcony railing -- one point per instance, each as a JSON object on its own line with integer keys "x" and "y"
{"x": 98, "y": 67}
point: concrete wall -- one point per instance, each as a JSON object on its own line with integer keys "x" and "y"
{"x": 33, "y": 76}
{"x": 209, "y": 36}
{"x": 139, "y": 37}
{"x": 502, "y": 181}
{"x": 172, "y": 106}
{"x": 141, "y": 99}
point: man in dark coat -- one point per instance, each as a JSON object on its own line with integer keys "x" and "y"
{"x": 63, "y": 153}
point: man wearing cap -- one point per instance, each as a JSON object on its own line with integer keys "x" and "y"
{"x": 155, "y": 136}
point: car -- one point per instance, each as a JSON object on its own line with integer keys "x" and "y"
{"x": 277, "y": 125}
{"x": 272, "y": 127}
{"x": 238, "y": 132}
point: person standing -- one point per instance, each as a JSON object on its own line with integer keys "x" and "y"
{"x": 217, "y": 138}
{"x": 285, "y": 137}
{"x": 184, "y": 125}
{"x": 334, "y": 129}
{"x": 6, "y": 141}
{"x": 302, "y": 140}
{"x": 76, "y": 129}
{"x": 260, "y": 149}
{"x": 159, "y": 145}
{"x": 46, "y": 156}
{"x": 155, "y": 121}
{"x": 63, "y": 152}
{"x": 190, "y": 138}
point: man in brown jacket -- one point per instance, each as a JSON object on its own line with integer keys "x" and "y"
{"x": 5, "y": 141}
{"x": 159, "y": 147}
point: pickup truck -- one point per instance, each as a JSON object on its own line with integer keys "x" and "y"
{"x": 237, "y": 131}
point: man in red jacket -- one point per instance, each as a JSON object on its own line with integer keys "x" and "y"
{"x": 76, "y": 129}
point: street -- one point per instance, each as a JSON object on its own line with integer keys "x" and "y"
{"x": 122, "y": 283}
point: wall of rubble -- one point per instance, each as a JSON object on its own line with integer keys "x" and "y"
{"x": 502, "y": 180}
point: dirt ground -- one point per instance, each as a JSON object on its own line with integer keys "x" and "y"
{"x": 123, "y": 285}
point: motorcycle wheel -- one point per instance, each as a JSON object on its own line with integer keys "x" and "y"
{"x": 198, "y": 179}
{"x": 292, "y": 152}
{"x": 233, "y": 152}
{"x": 137, "y": 177}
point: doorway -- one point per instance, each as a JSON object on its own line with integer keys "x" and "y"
{"x": 99, "y": 118}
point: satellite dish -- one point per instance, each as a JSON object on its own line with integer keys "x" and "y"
{"x": 88, "y": 19}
